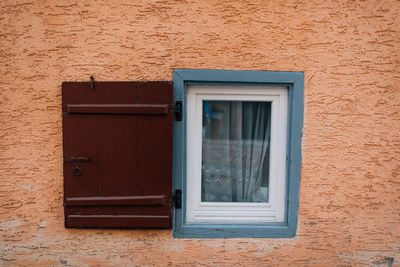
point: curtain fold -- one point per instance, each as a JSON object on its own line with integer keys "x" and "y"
{"x": 234, "y": 151}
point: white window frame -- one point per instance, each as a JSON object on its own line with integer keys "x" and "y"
{"x": 223, "y": 212}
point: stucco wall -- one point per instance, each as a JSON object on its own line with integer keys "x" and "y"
{"x": 350, "y": 184}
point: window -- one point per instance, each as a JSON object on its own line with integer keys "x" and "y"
{"x": 235, "y": 163}
{"x": 237, "y": 153}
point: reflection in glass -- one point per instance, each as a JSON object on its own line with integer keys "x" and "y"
{"x": 235, "y": 151}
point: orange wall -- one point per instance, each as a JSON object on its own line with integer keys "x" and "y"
{"x": 350, "y": 184}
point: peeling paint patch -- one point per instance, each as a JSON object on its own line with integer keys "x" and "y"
{"x": 388, "y": 261}
{"x": 42, "y": 224}
{"x": 11, "y": 224}
{"x": 28, "y": 187}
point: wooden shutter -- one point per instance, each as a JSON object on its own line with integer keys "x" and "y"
{"x": 117, "y": 140}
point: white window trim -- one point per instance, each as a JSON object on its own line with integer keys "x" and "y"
{"x": 274, "y": 210}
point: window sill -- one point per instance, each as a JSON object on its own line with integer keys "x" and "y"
{"x": 248, "y": 230}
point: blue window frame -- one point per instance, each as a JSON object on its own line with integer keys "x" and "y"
{"x": 294, "y": 82}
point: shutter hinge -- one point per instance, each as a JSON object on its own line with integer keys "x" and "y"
{"x": 178, "y": 110}
{"x": 177, "y": 198}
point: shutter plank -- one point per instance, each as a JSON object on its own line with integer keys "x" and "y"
{"x": 155, "y": 158}
{"x": 160, "y": 109}
{"x": 124, "y": 221}
{"x": 117, "y": 201}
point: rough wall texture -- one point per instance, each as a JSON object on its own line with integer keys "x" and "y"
{"x": 350, "y": 185}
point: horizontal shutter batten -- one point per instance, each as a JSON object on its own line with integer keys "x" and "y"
{"x": 118, "y": 221}
{"x": 147, "y": 109}
{"x": 116, "y": 201}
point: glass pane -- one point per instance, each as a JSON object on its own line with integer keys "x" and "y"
{"x": 235, "y": 151}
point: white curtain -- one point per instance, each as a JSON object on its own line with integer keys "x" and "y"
{"x": 234, "y": 151}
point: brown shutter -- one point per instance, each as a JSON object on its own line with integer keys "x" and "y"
{"x": 117, "y": 142}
